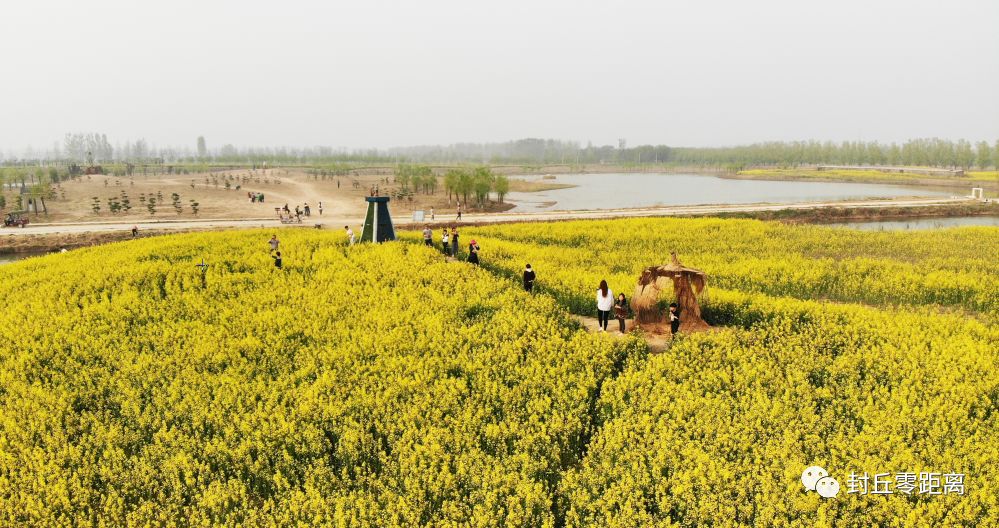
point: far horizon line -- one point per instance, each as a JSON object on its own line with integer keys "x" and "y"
{"x": 55, "y": 150}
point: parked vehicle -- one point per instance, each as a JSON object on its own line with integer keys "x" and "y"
{"x": 16, "y": 219}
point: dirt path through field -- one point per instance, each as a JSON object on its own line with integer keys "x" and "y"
{"x": 657, "y": 342}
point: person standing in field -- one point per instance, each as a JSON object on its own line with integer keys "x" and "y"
{"x": 473, "y": 253}
{"x": 621, "y": 310}
{"x": 674, "y": 318}
{"x": 428, "y": 235}
{"x": 350, "y": 235}
{"x": 454, "y": 242}
{"x": 320, "y": 208}
{"x": 605, "y": 301}
{"x": 444, "y": 242}
{"x": 277, "y": 260}
{"x": 529, "y": 277}
{"x": 274, "y": 242}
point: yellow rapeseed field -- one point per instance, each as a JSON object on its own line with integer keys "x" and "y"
{"x": 384, "y": 386}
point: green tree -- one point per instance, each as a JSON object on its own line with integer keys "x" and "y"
{"x": 983, "y": 155}
{"x": 451, "y": 178}
{"x": 501, "y": 186}
{"x": 465, "y": 185}
{"x": 482, "y": 183}
{"x": 963, "y": 155}
{"x": 202, "y": 147}
{"x": 403, "y": 175}
{"x": 424, "y": 179}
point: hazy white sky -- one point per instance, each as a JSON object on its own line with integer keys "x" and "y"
{"x": 391, "y": 73}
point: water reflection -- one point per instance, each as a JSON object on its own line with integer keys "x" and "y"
{"x": 627, "y": 190}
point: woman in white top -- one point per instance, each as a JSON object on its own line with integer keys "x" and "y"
{"x": 444, "y": 240}
{"x": 605, "y": 302}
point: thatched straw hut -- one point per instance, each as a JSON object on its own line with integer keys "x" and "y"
{"x": 688, "y": 284}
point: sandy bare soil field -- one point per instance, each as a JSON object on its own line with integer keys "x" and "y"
{"x": 74, "y": 200}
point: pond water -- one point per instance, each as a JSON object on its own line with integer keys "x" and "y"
{"x": 627, "y": 190}
{"x": 920, "y": 223}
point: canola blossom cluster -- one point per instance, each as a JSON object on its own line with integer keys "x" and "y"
{"x": 854, "y": 351}
{"x": 382, "y": 385}
{"x": 362, "y": 386}
{"x": 953, "y": 268}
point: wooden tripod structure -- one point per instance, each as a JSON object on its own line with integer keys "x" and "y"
{"x": 688, "y": 284}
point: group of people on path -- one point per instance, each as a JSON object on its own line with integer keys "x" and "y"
{"x": 286, "y": 214}
{"x": 450, "y": 244}
{"x": 606, "y": 302}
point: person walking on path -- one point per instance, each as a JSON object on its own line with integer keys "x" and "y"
{"x": 428, "y": 235}
{"x": 621, "y": 310}
{"x": 529, "y": 277}
{"x": 350, "y": 235}
{"x": 473, "y": 253}
{"x": 431, "y": 213}
{"x": 605, "y": 301}
{"x": 459, "y": 211}
{"x": 674, "y": 318}
{"x": 320, "y": 208}
{"x": 454, "y": 242}
{"x": 277, "y": 260}
{"x": 444, "y": 242}
{"x": 274, "y": 242}
{"x": 308, "y": 211}
{"x": 135, "y": 231}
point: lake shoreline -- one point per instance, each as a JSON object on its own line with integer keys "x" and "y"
{"x": 802, "y": 175}
{"x": 949, "y": 183}
{"x": 43, "y": 243}
{"x": 590, "y": 191}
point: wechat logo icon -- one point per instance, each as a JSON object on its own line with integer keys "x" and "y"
{"x": 817, "y": 479}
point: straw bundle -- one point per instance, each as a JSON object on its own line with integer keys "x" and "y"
{"x": 687, "y": 284}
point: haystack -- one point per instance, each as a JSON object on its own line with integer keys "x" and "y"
{"x": 688, "y": 284}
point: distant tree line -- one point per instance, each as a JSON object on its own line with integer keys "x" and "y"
{"x": 923, "y": 152}
{"x": 930, "y": 152}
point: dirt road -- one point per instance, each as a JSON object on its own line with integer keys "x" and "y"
{"x": 337, "y": 221}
